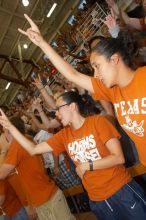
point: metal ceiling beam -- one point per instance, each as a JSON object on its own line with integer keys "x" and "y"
{"x": 11, "y": 79}
{"x": 29, "y": 74}
{"x": 8, "y": 60}
{"x": 3, "y": 65}
{"x": 25, "y": 24}
{"x": 16, "y": 59}
{"x": 50, "y": 38}
{"x": 10, "y": 12}
{"x": 15, "y": 69}
{"x": 9, "y": 21}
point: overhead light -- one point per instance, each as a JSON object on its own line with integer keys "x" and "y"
{"x": 25, "y": 46}
{"x": 51, "y": 10}
{"x": 25, "y": 3}
{"x": 7, "y": 86}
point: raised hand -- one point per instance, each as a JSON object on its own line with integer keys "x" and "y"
{"x": 4, "y": 121}
{"x": 33, "y": 33}
{"x": 112, "y": 4}
{"x": 38, "y": 82}
{"x": 110, "y": 20}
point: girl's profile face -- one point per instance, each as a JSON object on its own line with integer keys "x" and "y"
{"x": 63, "y": 111}
{"x": 104, "y": 69}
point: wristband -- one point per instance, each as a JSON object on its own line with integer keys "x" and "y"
{"x": 91, "y": 165}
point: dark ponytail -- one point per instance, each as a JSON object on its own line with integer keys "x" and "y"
{"x": 125, "y": 45}
{"x": 72, "y": 96}
{"x": 85, "y": 105}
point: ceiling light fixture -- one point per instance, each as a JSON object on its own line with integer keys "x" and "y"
{"x": 25, "y": 46}
{"x": 7, "y": 86}
{"x": 25, "y": 3}
{"x": 51, "y": 10}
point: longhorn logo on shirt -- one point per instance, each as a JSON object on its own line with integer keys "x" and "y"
{"x": 133, "y": 127}
{"x": 84, "y": 149}
{"x": 132, "y": 107}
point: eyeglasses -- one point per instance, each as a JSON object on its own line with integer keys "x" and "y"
{"x": 58, "y": 107}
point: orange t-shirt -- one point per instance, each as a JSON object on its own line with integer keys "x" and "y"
{"x": 88, "y": 143}
{"x": 130, "y": 107}
{"x": 15, "y": 183}
{"x": 11, "y": 203}
{"x": 143, "y": 23}
{"x": 37, "y": 186}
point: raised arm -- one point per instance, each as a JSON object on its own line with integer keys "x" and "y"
{"x": 110, "y": 22}
{"x": 24, "y": 142}
{"x": 63, "y": 67}
{"x": 48, "y": 98}
{"x": 132, "y": 22}
{"x": 46, "y": 122}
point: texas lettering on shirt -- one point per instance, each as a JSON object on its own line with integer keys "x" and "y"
{"x": 84, "y": 149}
{"x": 127, "y": 109}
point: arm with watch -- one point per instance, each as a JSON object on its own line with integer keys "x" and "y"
{"x": 114, "y": 158}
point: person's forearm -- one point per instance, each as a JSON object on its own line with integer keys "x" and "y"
{"x": 106, "y": 162}
{"x": 62, "y": 66}
{"x": 65, "y": 68}
{"x": 48, "y": 99}
{"x": 23, "y": 141}
{"x": 132, "y": 22}
{"x": 53, "y": 124}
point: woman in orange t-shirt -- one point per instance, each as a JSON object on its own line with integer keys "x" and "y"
{"x": 93, "y": 145}
{"x": 10, "y": 205}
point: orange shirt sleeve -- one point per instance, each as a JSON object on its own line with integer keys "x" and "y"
{"x": 143, "y": 23}
{"x": 100, "y": 91}
{"x": 13, "y": 156}
{"x": 106, "y": 130}
{"x": 57, "y": 142}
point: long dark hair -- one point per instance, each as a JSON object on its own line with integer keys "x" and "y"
{"x": 125, "y": 45}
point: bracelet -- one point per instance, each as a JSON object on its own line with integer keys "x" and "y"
{"x": 91, "y": 165}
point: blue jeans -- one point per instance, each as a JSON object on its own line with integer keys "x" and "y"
{"x": 128, "y": 203}
{"x": 20, "y": 215}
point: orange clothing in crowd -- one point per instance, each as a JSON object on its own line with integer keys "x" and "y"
{"x": 11, "y": 203}
{"x": 88, "y": 143}
{"x": 15, "y": 183}
{"x": 37, "y": 186}
{"x": 143, "y": 23}
{"x": 130, "y": 107}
